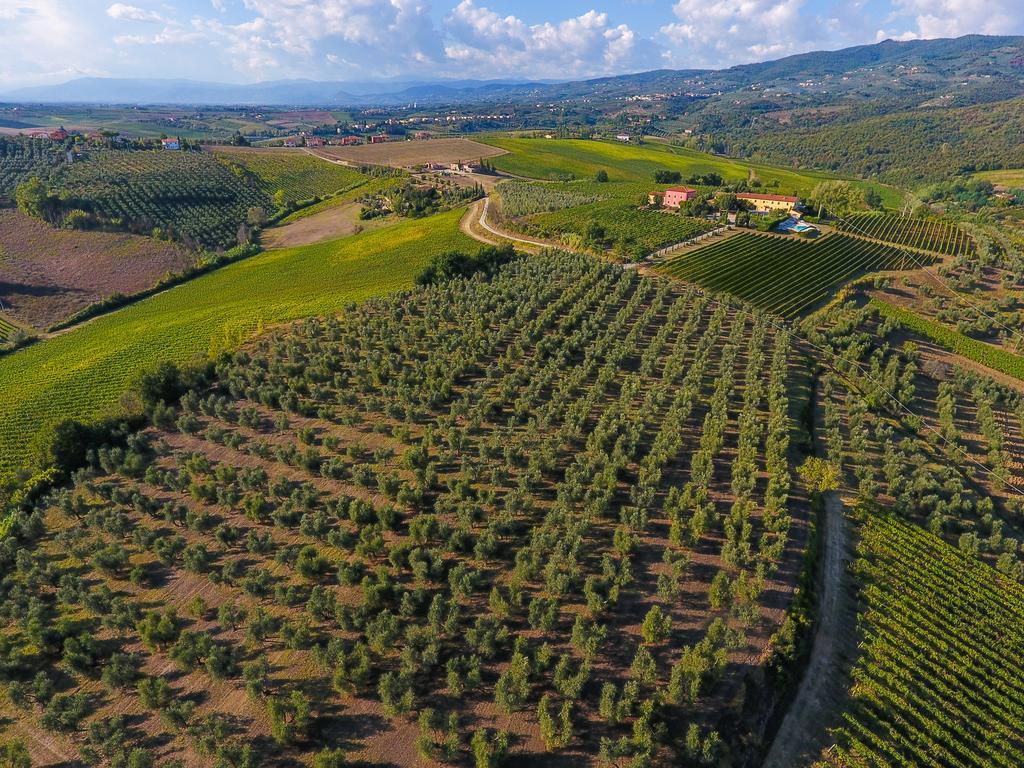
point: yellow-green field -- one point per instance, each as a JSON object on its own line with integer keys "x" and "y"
{"x": 580, "y": 158}
{"x": 1011, "y": 177}
{"x": 83, "y": 373}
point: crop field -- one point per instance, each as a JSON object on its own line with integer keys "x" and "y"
{"x": 81, "y": 374}
{"x": 188, "y": 194}
{"x": 935, "y": 480}
{"x": 21, "y": 158}
{"x": 48, "y": 274}
{"x": 548, "y": 513}
{"x": 625, "y": 228}
{"x": 783, "y": 276}
{"x": 582, "y": 159}
{"x": 938, "y": 682}
{"x": 406, "y": 154}
{"x": 924, "y": 234}
{"x": 297, "y": 174}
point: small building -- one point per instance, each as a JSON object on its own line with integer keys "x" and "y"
{"x": 767, "y": 203}
{"x": 624, "y": 137}
{"x": 421, "y": 135}
{"x": 291, "y": 142}
{"x": 379, "y": 138}
{"x": 174, "y": 144}
{"x": 674, "y": 197}
{"x": 59, "y": 135}
{"x": 314, "y": 141}
{"x": 350, "y": 141}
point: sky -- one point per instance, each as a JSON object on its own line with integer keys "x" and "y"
{"x": 48, "y": 41}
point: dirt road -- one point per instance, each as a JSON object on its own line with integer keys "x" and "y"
{"x": 804, "y": 733}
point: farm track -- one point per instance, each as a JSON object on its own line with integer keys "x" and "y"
{"x": 803, "y": 734}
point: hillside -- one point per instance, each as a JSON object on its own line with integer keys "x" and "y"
{"x": 905, "y": 148}
{"x": 527, "y": 515}
{"x": 82, "y": 374}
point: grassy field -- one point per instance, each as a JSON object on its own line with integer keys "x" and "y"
{"x": 1009, "y": 177}
{"x": 299, "y": 175}
{"x": 784, "y": 276}
{"x": 558, "y": 158}
{"x": 405, "y": 154}
{"x": 82, "y": 374}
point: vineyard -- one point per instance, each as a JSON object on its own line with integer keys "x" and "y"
{"x": 82, "y": 373}
{"x": 924, "y": 234}
{"x": 938, "y": 682}
{"x": 783, "y": 276}
{"x": 22, "y": 158}
{"x": 189, "y": 196}
{"x": 7, "y": 329}
{"x": 541, "y": 514}
{"x": 989, "y": 355}
{"x": 298, "y": 175}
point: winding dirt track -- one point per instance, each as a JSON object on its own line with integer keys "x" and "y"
{"x": 804, "y": 730}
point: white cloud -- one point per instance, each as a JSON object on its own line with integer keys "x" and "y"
{"x": 580, "y": 46}
{"x": 952, "y": 18}
{"x": 124, "y": 12}
{"x": 715, "y": 34}
{"x": 42, "y": 40}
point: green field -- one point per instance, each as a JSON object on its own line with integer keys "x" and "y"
{"x": 82, "y": 373}
{"x": 298, "y": 175}
{"x": 581, "y": 159}
{"x": 784, "y": 276}
{"x": 1008, "y": 177}
{"x": 938, "y": 679}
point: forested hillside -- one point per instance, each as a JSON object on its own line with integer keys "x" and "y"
{"x": 907, "y": 148}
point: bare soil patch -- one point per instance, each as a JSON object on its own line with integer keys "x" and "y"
{"x": 338, "y": 221}
{"x": 403, "y": 154}
{"x": 48, "y": 274}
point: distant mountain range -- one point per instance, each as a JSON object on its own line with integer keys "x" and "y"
{"x": 103, "y": 90}
{"x": 970, "y": 69}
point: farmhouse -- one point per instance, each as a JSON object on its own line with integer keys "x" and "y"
{"x": 170, "y": 143}
{"x": 765, "y": 203}
{"x": 291, "y": 142}
{"x": 380, "y": 138}
{"x": 350, "y": 141}
{"x": 673, "y": 197}
{"x": 314, "y": 141}
{"x": 624, "y": 137}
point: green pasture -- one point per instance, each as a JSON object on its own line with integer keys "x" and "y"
{"x": 581, "y": 158}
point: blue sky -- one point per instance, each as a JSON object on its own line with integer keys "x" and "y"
{"x": 246, "y": 40}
